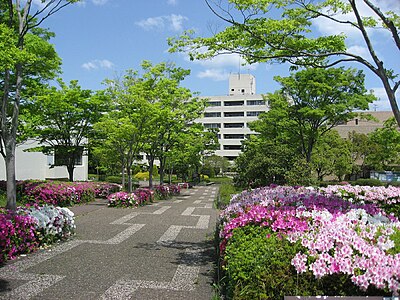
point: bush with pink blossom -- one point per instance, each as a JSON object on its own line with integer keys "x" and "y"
{"x": 32, "y": 227}
{"x": 57, "y": 193}
{"x": 355, "y": 240}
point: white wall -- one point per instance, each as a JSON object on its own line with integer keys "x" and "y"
{"x": 35, "y": 165}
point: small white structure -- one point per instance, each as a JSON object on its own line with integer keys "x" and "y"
{"x": 36, "y": 165}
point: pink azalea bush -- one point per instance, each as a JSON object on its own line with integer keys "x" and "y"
{"x": 104, "y": 189}
{"x": 339, "y": 235}
{"x": 166, "y": 191}
{"x": 142, "y": 196}
{"x": 17, "y": 235}
{"x": 122, "y": 199}
{"x": 58, "y": 193}
{"x": 32, "y": 227}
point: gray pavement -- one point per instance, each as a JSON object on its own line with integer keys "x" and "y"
{"x": 159, "y": 251}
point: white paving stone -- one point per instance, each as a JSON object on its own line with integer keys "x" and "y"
{"x": 184, "y": 279}
{"x": 188, "y": 211}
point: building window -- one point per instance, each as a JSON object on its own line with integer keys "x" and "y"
{"x": 214, "y": 103}
{"x": 212, "y": 114}
{"x": 233, "y": 125}
{"x": 232, "y": 136}
{"x": 232, "y": 147}
{"x": 212, "y": 125}
{"x": 63, "y": 155}
{"x": 254, "y": 113}
{"x": 231, "y": 158}
{"x": 255, "y": 102}
{"x": 234, "y": 114}
{"x": 233, "y": 103}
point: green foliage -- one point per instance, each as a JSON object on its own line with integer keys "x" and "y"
{"x": 63, "y": 120}
{"x": 263, "y": 161}
{"x": 395, "y": 237}
{"x": 142, "y": 175}
{"x": 300, "y": 174}
{"x": 257, "y": 266}
{"x": 225, "y": 193}
{"x": 386, "y": 142}
{"x": 368, "y": 182}
{"x": 215, "y": 164}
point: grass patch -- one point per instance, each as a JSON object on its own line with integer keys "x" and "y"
{"x": 3, "y": 200}
{"x": 226, "y": 190}
{"x": 221, "y": 180}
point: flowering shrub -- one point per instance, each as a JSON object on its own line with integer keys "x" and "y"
{"x": 104, "y": 189}
{"x": 167, "y": 191}
{"x": 53, "y": 223}
{"x": 356, "y": 240}
{"x": 57, "y": 193}
{"x": 122, "y": 199}
{"x": 32, "y": 227}
{"x": 144, "y": 195}
{"x": 184, "y": 185}
{"x": 17, "y": 235}
{"x": 387, "y": 198}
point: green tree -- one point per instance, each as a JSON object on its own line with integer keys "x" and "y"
{"x": 386, "y": 141}
{"x": 332, "y": 155}
{"x": 279, "y": 31}
{"x": 173, "y": 111}
{"x": 121, "y": 132}
{"x": 193, "y": 145}
{"x": 26, "y": 59}
{"x": 361, "y": 147}
{"x": 312, "y": 102}
{"x": 263, "y": 161}
{"x": 216, "y": 164}
{"x": 64, "y": 119}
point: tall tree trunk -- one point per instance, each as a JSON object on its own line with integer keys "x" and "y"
{"x": 123, "y": 175}
{"x": 128, "y": 170}
{"x": 70, "y": 169}
{"x": 10, "y": 175}
{"x": 151, "y": 165}
{"x": 162, "y": 166}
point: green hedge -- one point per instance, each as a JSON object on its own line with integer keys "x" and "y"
{"x": 258, "y": 266}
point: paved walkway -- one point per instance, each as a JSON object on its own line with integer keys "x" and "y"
{"x": 160, "y": 251}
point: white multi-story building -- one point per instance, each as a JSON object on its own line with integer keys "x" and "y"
{"x": 232, "y": 113}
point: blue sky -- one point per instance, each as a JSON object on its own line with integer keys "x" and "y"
{"x": 99, "y": 39}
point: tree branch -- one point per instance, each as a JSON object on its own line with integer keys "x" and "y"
{"x": 389, "y": 24}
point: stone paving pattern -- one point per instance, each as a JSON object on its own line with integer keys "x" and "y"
{"x": 158, "y": 251}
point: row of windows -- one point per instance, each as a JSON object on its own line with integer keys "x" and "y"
{"x": 226, "y": 125}
{"x": 232, "y": 114}
{"x": 236, "y": 103}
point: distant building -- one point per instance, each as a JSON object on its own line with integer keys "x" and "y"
{"x": 361, "y": 125}
{"x": 232, "y": 113}
{"x": 36, "y": 165}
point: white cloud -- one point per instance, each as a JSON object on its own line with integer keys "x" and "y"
{"x": 172, "y": 2}
{"x": 98, "y": 64}
{"x": 214, "y": 74}
{"x": 328, "y": 27}
{"x": 99, "y": 2}
{"x": 360, "y": 51}
{"x": 172, "y": 22}
{"x": 382, "y": 103}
